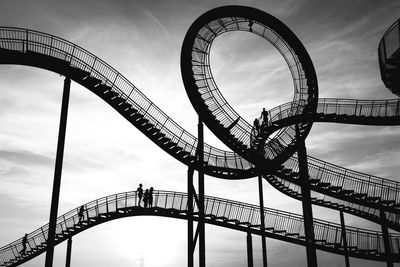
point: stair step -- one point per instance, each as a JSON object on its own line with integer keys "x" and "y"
{"x": 111, "y": 94}
{"x": 334, "y": 188}
{"x": 359, "y": 195}
{"x": 346, "y": 192}
{"x": 387, "y": 202}
{"x": 323, "y": 185}
{"x": 91, "y": 81}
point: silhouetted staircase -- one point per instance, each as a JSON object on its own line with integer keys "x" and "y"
{"x": 285, "y": 226}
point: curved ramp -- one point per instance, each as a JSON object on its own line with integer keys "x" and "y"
{"x": 284, "y": 226}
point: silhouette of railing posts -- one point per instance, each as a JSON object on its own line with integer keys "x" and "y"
{"x": 306, "y": 199}
{"x": 386, "y": 241}
{"x": 57, "y": 174}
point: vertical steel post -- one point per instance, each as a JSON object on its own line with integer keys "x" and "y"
{"x": 57, "y": 174}
{"x": 306, "y": 199}
{"x": 249, "y": 249}
{"x": 69, "y": 250}
{"x": 201, "y": 225}
{"x": 386, "y": 241}
{"x": 262, "y": 219}
{"x": 344, "y": 238}
{"x": 190, "y": 243}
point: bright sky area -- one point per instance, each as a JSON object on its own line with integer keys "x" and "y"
{"x": 105, "y": 154}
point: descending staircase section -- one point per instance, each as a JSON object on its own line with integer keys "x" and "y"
{"x": 27, "y": 47}
{"x": 208, "y": 101}
{"x": 294, "y": 190}
{"x": 347, "y": 185}
{"x": 280, "y": 225}
{"x": 389, "y": 58}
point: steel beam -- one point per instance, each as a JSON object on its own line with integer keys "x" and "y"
{"x": 57, "y": 174}
{"x": 69, "y": 250}
{"x": 201, "y": 223}
{"x": 249, "y": 242}
{"x": 306, "y": 199}
{"x": 344, "y": 239}
{"x": 190, "y": 244}
{"x": 262, "y": 219}
{"x": 386, "y": 240}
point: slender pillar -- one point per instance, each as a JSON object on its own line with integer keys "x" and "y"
{"x": 262, "y": 219}
{"x": 249, "y": 250}
{"x": 386, "y": 241}
{"x": 344, "y": 238}
{"x": 69, "y": 250}
{"x": 57, "y": 174}
{"x": 306, "y": 200}
{"x": 201, "y": 224}
{"x": 190, "y": 218}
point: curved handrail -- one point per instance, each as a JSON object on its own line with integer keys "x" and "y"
{"x": 388, "y": 53}
{"x": 281, "y": 225}
{"x": 28, "y": 41}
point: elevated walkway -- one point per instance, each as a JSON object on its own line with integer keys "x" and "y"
{"x": 280, "y": 225}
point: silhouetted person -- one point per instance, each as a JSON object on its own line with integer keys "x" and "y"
{"x": 250, "y": 25}
{"x": 24, "y": 241}
{"x": 139, "y": 191}
{"x": 264, "y": 115}
{"x": 257, "y": 125}
{"x": 151, "y": 197}
{"x": 80, "y": 213}
{"x": 146, "y": 198}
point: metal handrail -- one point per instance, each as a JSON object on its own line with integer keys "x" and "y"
{"x": 326, "y": 232}
{"x": 25, "y": 41}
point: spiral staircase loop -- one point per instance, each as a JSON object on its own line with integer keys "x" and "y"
{"x": 209, "y": 103}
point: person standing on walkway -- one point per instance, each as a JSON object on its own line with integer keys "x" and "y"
{"x": 151, "y": 197}
{"x": 146, "y": 198}
{"x": 139, "y": 191}
{"x": 24, "y": 241}
{"x": 80, "y": 213}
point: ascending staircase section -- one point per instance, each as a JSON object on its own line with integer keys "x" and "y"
{"x": 27, "y": 47}
{"x": 389, "y": 58}
{"x": 280, "y": 225}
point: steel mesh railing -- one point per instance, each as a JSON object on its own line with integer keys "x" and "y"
{"x": 213, "y": 99}
{"x": 25, "y": 41}
{"x": 231, "y": 211}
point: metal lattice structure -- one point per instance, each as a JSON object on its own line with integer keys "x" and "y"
{"x": 244, "y": 217}
{"x": 275, "y": 152}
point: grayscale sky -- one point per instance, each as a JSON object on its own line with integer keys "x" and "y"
{"x": 105, "y": 154}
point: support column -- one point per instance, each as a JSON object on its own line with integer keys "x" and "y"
{"x": 262, "y": 219}
{"x": 201, "y": 224}
{"x": 57, "y": 174}
{"x": 249, "y": 250}
{"x": 306, "y": 200}
{"x": 190, "y": 244}
{"x": 386, "y": 241}
{"x": 69, "y": 250}
{"x": 344, "y": 238}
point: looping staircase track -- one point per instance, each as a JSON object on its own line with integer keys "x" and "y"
{"x": 343, "y": 189}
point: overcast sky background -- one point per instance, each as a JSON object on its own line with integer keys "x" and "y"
{"x": 105, "y": 154}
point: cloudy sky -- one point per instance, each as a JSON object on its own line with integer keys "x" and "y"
{"x": 104, "y": 154}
